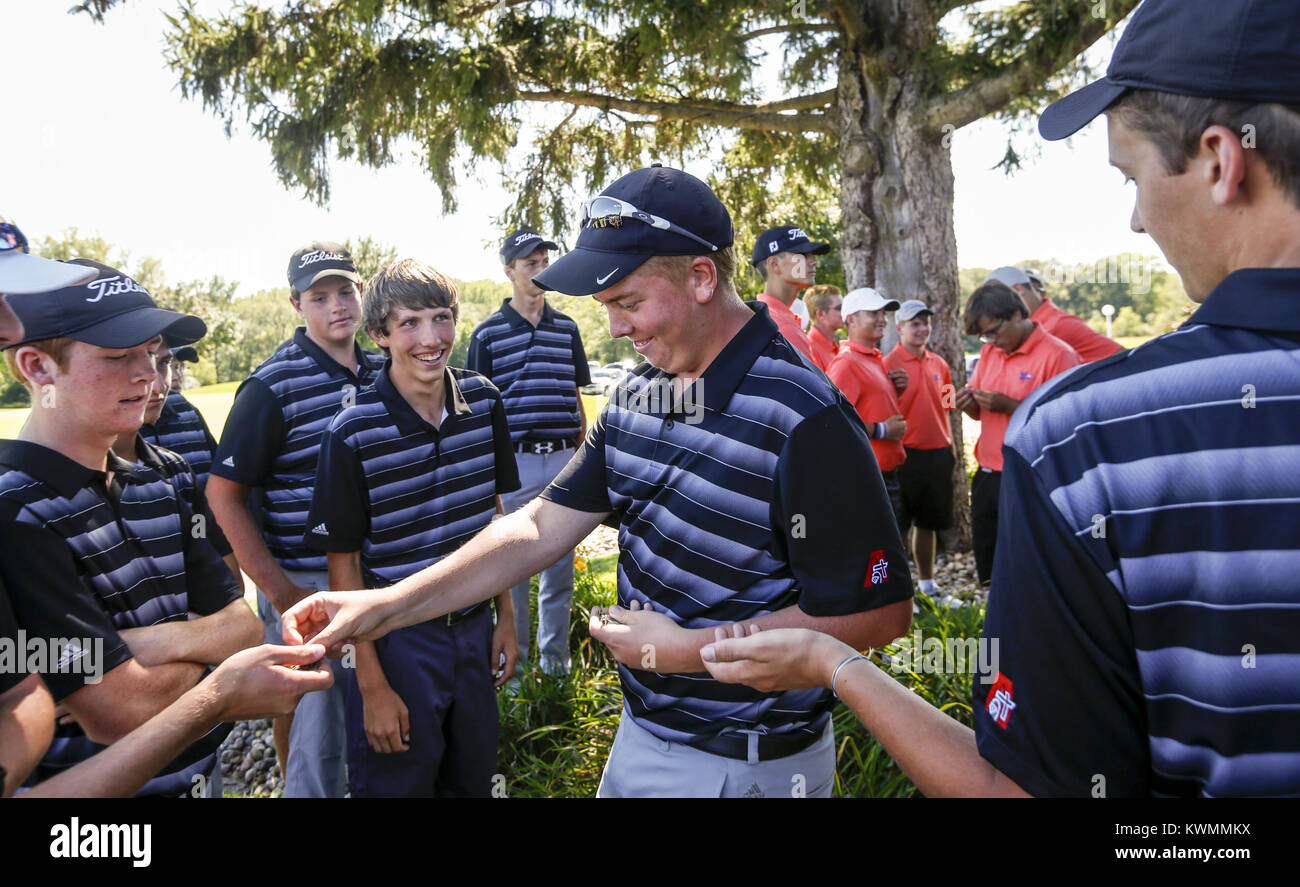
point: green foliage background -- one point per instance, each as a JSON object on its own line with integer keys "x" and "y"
{"x": 244, "y": 331}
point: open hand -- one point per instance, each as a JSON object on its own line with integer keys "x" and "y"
{"x": 778, "y": 659}
{"x": 638, "y": 637}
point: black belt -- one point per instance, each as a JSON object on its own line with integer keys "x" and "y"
{"x": 542, "y": 447}
{"x": 452, "y": 619}
{"x": 770, "y": 745}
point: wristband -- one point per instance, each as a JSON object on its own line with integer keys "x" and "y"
{"x": 836, "y": 673}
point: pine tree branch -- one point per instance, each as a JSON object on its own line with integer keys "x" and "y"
{"x": 1036, "y": 65}
{"x": 708, "y": 113}
{"x": 786, "y": 29}
{"x": 479, "y": 9}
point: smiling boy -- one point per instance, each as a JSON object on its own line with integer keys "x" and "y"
{"x": 407, "y": 475}
{"x": 270, "y": 442}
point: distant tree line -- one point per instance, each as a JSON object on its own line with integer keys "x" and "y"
{"x": 244, "y": 331}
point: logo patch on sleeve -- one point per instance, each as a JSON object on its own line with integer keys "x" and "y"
{"x": 878, "y": 574}
{"x": 999, "y": 702}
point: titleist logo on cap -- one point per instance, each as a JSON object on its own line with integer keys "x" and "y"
{"x": 112, "y": 286}
{"x": 320, "y": 256}
{"x": 798, "y": 234}
{"x": 522, "y": 237}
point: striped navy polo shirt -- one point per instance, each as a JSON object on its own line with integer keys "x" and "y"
{"x": 272, "y": 437}
{"x": 537, "y": 369}
{"x": 182, "y": 430}
{"x": 406, "y": 494}
{"x": 128, "y": 547}
{"x": 183, "y": 477}
{"x": 756, "y": 492}
{"x": 1145, "y": 593}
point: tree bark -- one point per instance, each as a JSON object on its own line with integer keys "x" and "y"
{"x": 895, "y": 174}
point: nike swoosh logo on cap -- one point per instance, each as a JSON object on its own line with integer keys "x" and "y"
{"x": 601, "y": 280}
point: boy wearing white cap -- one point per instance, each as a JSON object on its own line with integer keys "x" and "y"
{"x": 859, "y": 371}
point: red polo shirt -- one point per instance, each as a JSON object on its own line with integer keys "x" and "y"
{"x": 1087, "y": 342}
{"x": 927, "y": 400}
{"x": 860, "y": 373}
{"x": 1040, "y": 357}
{"x": 788, "y": 323}
{"x": 823, "y": 350}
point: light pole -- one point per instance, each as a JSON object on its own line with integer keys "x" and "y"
{"x": 1108, "y": 311}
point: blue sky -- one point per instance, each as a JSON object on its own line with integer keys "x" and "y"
{"x": 97, "y": 136}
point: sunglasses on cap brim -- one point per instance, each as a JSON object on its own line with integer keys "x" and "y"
{"x": 601, "y": 212}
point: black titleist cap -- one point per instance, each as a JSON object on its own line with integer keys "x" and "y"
{"x": 1240, "y": 50}
{"x": 523, "y": 242}
{"x": 320, "y": 258}
{"x": 785, "y": 239}
{"x": 110, "y": 310}
{"x": 657, "y": 211}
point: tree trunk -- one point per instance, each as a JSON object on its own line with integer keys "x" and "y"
{"x": 891, "y": 169}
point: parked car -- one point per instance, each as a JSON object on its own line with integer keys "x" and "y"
{"x": 602, "y": 381}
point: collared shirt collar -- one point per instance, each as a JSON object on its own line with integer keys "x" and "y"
{"x": 51, "y": 467}
{"x": 408, "y": 421}
{"x": 862, "y": 349}
{"x": 327, "y": 363}
{"x": 1030, "y": 340}
{"x": 775, "y": 305}
{"x": 813, "y": 331}
{"x": 1263, "y": 299}
{"x": 736, "y": 358}
{"x": 904, "y": 354}
{"x": 514, "y": 318}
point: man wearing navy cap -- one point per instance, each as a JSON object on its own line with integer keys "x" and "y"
{"x": 710, "y": 459}
{"x": 271, "y": 443}
{"x": 534, "y": 355}
{"x": 1145, "y": 598}
{"x": 160, "y": 605}
{"x": 786, "y": 258}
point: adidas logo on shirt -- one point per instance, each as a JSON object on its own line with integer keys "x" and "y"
{"x": 321, "y": 530}
{"x": 229, "y": 460}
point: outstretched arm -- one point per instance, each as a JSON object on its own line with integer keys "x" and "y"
{"x": 504, "y": 553}
{"x": 255, "y": 683}
{"x": 935, "y": 751}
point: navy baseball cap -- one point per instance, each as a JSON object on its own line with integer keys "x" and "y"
{"x": 187, "y": 353}
{"x": 318, "y": 259}
{"x": 523, "y": 242}
{"x": 785, "y": 239}
{"x": 111, "y": 311}
{"x": 1242, "y": 50}
{"x": 657, "y": 211}
{"x": 22, "y": 274}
